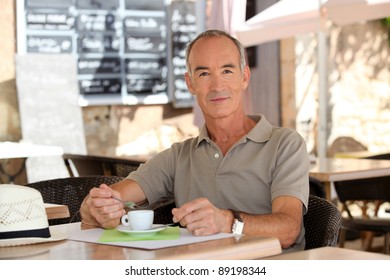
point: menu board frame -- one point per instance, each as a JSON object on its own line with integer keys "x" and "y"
{"x": 123, "y": 48}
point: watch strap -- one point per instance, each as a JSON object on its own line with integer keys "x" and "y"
{"x": 238, "y": 223}
{"x": 236, "y": 215}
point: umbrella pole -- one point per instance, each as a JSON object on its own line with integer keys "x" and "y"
{"x": 322, "y": 50}
{"x": 322, "y": 137}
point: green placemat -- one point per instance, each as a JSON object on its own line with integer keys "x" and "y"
{"x": 112, "y": 235}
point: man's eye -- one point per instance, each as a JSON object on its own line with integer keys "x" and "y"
{"x": 227, "y": 71}
{"x": 203, "y": 74}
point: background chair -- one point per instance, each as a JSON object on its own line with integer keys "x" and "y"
{"x": 385, "y": 156}
{"x": 376, "y": 190}
{"x": 86, "y": 165}
{"x": 345, "y": 144}
{"x": 322, "y": 223}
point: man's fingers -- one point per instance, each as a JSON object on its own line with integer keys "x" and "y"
{"x": 110, "y": 220}
{"x": 188, "y": 208}
{"x": 107, "y": 215}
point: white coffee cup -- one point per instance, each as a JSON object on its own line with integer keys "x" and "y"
{"x": 138, "y": 219}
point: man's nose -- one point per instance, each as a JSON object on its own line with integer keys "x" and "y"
{"x": 216, "y": 83}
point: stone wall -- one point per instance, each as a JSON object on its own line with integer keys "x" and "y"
{"x": 9, "y": 111}
{"x": 135, "y": 130}
{"x": 359, "y": 85}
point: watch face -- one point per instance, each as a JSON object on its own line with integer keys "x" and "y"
{"x": 238, "y": 227}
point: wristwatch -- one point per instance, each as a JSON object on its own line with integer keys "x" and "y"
{"x": 238, "y": 223}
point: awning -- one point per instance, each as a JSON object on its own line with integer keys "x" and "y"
{"x": 288, "y": 18}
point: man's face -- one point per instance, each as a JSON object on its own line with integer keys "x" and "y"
{"x": 216, "y": 78}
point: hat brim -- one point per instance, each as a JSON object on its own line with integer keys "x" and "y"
{"x": 55, "y": 236}
{"x": 31, "y": 251}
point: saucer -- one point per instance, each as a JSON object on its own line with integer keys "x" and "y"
{"x": 141, "y": 233}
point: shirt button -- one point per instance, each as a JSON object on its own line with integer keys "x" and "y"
{"x": 216, "y": 155}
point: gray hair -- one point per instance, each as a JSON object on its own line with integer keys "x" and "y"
{"x": 217, "y": 33}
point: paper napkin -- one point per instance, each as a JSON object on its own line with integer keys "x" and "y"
{"x": 112, "y": 235}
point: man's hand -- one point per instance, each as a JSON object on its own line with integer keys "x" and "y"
{"x": 101, "y": 209}
{"x": 201, "y": 217}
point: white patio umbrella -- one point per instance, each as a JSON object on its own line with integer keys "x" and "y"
{"x": 288, "y": 18}
{"x": 344, "y": 12}
{"x": 284, "y": 19}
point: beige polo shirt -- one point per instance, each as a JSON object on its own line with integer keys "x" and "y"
{"x": 266, "y": 163}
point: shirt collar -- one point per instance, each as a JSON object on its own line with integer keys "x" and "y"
{"x": 203, "y": 135}
{"x": 260, "y": 133}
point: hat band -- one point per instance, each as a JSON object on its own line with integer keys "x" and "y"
{"x": 42, "y": 233}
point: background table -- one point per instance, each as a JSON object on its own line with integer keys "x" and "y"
{"x": 329, "y": 170}
{"x": 23, "y": 150}
{"x": 56, "y": 211}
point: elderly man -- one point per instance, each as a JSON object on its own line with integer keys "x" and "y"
{"x": 240, "y": 174}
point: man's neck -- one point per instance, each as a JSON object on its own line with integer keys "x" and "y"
{"x": 227, "y": 131}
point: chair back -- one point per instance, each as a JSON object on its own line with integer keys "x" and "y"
{"x": 376, "y": 188}
{"x": 363, "y": 191}
{"x": 345, "y": 144}
{"x": 379, "y": 156}
{"x": 71, "y": 192}
{"x": 163, "y": 211}
{"x": 322, "y": 223}
{"x": 369, "y": 189}
{"x": 86, "y": 165}
{"x": 317, "y": 188}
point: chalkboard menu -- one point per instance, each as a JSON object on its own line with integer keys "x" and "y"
{"x": 49, "y": 110}
{"x": 183, "y": 28}
{"x": 126, "y": 51}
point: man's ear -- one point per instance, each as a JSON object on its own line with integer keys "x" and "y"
{"x": 246, "y": 77}
{"x": 190, "y": 86}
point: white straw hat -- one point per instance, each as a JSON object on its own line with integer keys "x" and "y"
{"x": 23, "y": 218}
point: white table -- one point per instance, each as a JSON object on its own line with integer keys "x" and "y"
{"x": 24, "y": 150}
{"x": 56, "y": 211}
{"x": 330, "y": 170}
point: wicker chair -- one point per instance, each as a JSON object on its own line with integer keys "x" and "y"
{"x": 322, "y": 223}
{"x": 86, "y": 165}
{"x": 163, "y": 211}
{"x": 71, "y": 192}
{"x": 317, "y": 188}
{"x": 375, "y": 189}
